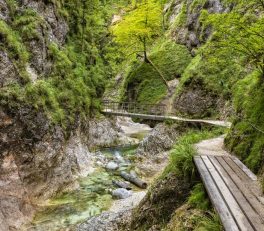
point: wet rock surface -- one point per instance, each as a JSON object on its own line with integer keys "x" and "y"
{"x": 112, "y": 166}
{"x": 121, "y": 193}
{"x": 107, "y": 221}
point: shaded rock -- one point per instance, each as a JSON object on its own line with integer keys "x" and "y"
{"x": 121, "y": 193}
{"x": 104, "y": 133}
{"x": 191, "y": 32}
{"x": 107, "y": 221}
{"x": 197, "y": 101}
{"x": 4, "y": 11}
{"x": 112, "y": 166}
{"x": 166, "y": 195}
{"x": 160, "y": 139}
{"x": 8, "y": 72}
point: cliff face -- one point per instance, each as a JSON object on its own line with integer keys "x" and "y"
{"x": 179, "y": 57}
{"x": 38, "y": 160}
{"x": 51, "y": 27}
{"x": 46, "y": 94}
{"x": 186, "y": 26}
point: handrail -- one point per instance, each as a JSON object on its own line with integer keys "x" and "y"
{"x": 152, "y": 111}
{"x": 132, "y": 107}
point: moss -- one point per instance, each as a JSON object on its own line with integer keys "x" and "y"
{"x": 196, "y": 214}
{"x": 197, "y": 4}
{"x": 76, "y": 81}
{"x": 12, "y": 43}
{"x": 199, "y": 198}
{"x": 144, "y": 84}
{"x": 218, "y": 71}
{"x": 187, "y": 218}
{"x": 246, "y": 138}
{"x": 171, "y": 58}
{"x": 27, "y": 22}
{"x": 181, "y": 18}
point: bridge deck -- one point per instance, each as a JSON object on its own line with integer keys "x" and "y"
{"x": 234, "y": 192}
{"x": 164, "y": 117}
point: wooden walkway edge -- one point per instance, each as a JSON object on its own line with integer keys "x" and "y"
{"x": 233, "y": 191}
{"x": 165, "y": 117}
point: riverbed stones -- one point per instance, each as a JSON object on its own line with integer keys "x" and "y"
{"x": 121, "y": 193}
{"x": 112, "y": 166}
{"x": 107, "y": 221}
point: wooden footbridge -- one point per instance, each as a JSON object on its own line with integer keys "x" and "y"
{"x": 232, "y": 188}
{"x": 150, "y": 112}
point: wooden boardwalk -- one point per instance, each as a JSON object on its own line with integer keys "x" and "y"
{"x": 150, "y": 112}
{"x": 233, "y": 190}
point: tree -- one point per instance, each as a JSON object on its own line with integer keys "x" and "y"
{"x": 241, "y": 32}
{"x": 139, "y": 29}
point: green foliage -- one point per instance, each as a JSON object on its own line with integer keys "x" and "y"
{"x": 197, "y": 3}
{"x": 139, "y": 27}
{"x": 143, "y": 79}
{"x": 246, "y": 138}
{"x": 181, "y": 156}
{"x": 181, "y": 18}
{"x": 79, "y": 68}
{"x": 218, "y": 71}
{"x": 211, "y": 222}
{"x": 198, "y": 198}
{"x": 240, "y": 32}
{"x": 12, "y": 43}
{"x": 27, "y": 22}
{"x": 170, "y": 58}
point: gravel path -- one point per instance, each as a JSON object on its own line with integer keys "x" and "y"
{"x": 213, "y": 146}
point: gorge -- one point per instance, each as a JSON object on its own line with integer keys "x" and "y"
{"x": 60, "y": 60}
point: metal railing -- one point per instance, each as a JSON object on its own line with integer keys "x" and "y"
{"x": 134, "y": 108}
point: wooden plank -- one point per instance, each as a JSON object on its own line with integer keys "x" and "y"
{"x": 252, "y": 199}
{"x": 252, "y": 216}
{"x": 239, "y": 172}
{"x": 251, "y": 185}
{"x": 242, "y": 221}
{"x": 250, "y": 174}
{"x": 216, "y": 197}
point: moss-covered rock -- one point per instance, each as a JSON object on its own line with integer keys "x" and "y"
{"x": 246, "y": 137}
{"x": 144, "y": 84}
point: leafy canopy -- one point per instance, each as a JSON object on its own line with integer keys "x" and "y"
{"x": 140, "y": 27}
{"x": 240, "y": 31}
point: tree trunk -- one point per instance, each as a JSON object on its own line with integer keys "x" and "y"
{"x": 159, "y": 72}
{"x": 134, "y": 180}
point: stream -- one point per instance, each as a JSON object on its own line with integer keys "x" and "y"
{"x": 94, "y": 195}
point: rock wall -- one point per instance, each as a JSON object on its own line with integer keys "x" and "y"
{"x": 39, "y": 160}
{"x": 188, "y": 30}
{"x": 160, "y": 139}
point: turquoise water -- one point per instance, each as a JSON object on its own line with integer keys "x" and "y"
{"x": 92, "y": 198}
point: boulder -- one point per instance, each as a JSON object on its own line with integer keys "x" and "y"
{"x": 121, "y": 193}
{"x": 112, "y": 166}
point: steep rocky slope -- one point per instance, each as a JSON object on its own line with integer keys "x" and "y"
{"x": 50, "y": 83}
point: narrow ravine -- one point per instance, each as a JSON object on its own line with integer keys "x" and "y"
{"x": 95, "y": 192}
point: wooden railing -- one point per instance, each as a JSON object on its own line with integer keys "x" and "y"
{"x": 134, "y": 108}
